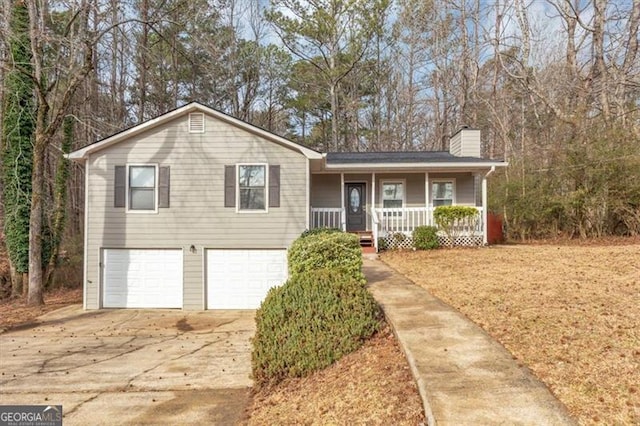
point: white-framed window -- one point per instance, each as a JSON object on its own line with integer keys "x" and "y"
{"x": 443, "y": 192}
{"x": 393, "y": 194}
{"x": 142, "y": 188}
{"x": 252, "y": 188}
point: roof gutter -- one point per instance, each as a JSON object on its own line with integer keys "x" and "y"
{"x": 414, "y": 165}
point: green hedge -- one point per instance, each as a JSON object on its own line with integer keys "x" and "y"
{"x": 453, "y": 219}
{"x": 333, "y": 250}
{"x": 425, "y": 238}
{"x": 319, "y": 231}
{"x": 308, "y": 323}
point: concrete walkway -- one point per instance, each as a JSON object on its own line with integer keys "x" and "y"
{"x": 464, "y": 376}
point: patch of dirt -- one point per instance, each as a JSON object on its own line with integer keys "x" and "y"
{"x": 224, "y": 407}
{"x": 571, "y": 313}
{"x": 372, "y": 385}
{"x": 15, "y": 312}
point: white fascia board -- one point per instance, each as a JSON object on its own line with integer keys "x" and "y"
{"x": 430, "y": 166}
{"x": 82, "y": 153}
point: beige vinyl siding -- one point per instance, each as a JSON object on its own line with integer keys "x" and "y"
{"x": 197, "y": 215}
{"x": 455, "y": 144}
{"x": 466, "y": 143}
{"x": 359, "y": 177}
{"x": 465, "y": 186}
{"x": 477, "y": 182}
{"x": 414, "y": 190}
{"x": 325, "y": 190}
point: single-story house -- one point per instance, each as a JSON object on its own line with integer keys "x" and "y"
{"x": 195, "y": 209}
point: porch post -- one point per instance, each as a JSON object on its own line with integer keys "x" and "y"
{"x": 485, "y": 239}
{"x": 343, "y": 217}
{"x": 374, "y": 225}
{"x": 426, "y": 198}
{"x": 308, "y": 194}
{"x": 373, "y": 191}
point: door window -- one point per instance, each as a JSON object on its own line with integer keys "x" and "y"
{"x": 354, "y": 199}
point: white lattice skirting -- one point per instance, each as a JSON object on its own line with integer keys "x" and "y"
{"x": 403, "y": 241}
{"x": 462, "y": 240}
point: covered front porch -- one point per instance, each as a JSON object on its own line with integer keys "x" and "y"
{"x": 390, "y": 205}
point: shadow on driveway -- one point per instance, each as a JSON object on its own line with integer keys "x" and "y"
{"x": 131, "y": 366}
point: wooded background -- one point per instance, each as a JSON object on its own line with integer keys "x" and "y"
{"x": 554, "y": 86}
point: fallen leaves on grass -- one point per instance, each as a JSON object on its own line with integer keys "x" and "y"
{"x": 372, "y": 385}
{"x": 570, "y": 313}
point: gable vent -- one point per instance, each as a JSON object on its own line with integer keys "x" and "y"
{"x": 196, "y": 122}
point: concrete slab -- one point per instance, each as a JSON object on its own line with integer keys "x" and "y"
{"x": 131, "y": 366}
{"x": 464, "y": 376}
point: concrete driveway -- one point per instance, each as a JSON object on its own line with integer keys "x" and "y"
{"x": 131, "y": 366}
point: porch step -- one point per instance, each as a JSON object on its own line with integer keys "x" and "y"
{"x": 366, "y": 238}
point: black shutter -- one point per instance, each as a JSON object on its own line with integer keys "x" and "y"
{"x": 163, "y": 187}
{"x": 274, "y": 186}
{"x": 120, "y": 187}
{"x": 229, "y": 186}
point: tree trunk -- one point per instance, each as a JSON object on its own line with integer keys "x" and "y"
{"x": 16, "y": 282}
{"x": 601, "y": 70}
{"x": 35, "y": 218}
{"x": 143, "y": 52}
{"x": 334, "y": 116}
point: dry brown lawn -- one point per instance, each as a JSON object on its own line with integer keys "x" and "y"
{"x": 570, "y": 313}
{"x": 372, "y": 385}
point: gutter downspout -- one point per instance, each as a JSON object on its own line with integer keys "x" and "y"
{"x": 85, "y": 251}
{"x": 485, "y": 239}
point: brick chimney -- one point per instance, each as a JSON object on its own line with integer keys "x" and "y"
{"x": 465, "y": 143}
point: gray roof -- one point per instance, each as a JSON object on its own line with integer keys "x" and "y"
{"x": 401, "y": 157}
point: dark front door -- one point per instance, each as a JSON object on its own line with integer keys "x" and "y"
{"x": 355, "y": 203}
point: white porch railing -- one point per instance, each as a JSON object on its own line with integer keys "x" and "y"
{"x": 397, "y": 224}
{"x": 402, "y": 219}
{"x": 405, "y": 220}
{"x": 327, "y": 217}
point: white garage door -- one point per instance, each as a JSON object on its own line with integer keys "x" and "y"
{"x": 240, "y": 279}
{"x": 142, "y": 278}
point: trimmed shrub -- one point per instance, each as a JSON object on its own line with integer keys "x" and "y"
{"x": 332, "y": 250}
{"x": 455, "y": 219}
{"x": 308, "y": 323}
{"x": 425, "y": 238}
{"x": 319, "y": 231}
{"x": 382, "y": 244}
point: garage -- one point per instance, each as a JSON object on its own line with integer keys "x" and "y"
{"x": 137, "y": 278}
{"x": 240, "y": 279}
